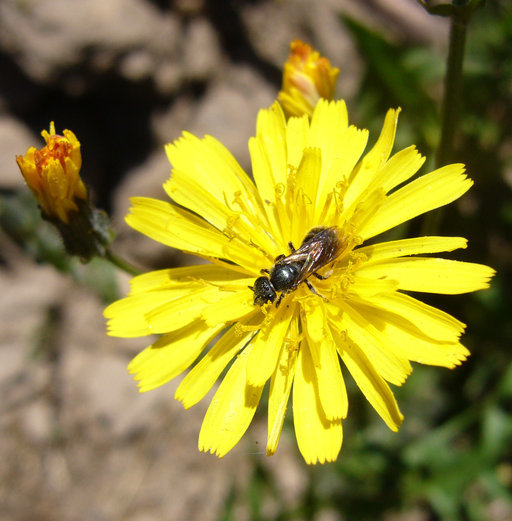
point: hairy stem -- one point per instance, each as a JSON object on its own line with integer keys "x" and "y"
{"x": 121, "y": 263}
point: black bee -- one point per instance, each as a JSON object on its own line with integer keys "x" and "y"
{"x": 320, "y": 247}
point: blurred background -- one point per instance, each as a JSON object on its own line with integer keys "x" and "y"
{"x": 77, "y": 441}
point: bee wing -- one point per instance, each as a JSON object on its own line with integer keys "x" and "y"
{"x": 313, "y": 259}
{"x": 320, "y": 247}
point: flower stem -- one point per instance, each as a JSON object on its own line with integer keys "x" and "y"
{"x": 121, "y": 263}
{"x": 450, "y": 106}
{"x": 450, "y": 112}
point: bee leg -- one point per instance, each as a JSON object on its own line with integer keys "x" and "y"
{"x": 279, "y": 257}
{"x": 265, "y": 271}
{"x": 313, "y": 290}
{"x": 278, "y": 301}
{"x": 328, "y": 273}
{"x": 311, "y": 287}
{"x": 292, "y": 247}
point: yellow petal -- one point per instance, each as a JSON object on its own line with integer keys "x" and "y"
{"x": 416, "y": 317}
{"x": 328, "y": 124}
{"x": 56, "y": 182}
{"x": 232, "y": 305}
{"x": 308, "y": 175}
{"x": 193, "y": 186}
{"x": 186, "y": 277}
{"x": 430, "y": 191}
{"x": 297, "y": 135}
{"x": 331, "y": 387}
{"x": 431, "y": 275}
{"x": 165, "y": 300}
{"x": 269, "y": 162}
{"x": 338, "y": 163}
{"x": 367, "y": 169}
{"x": 385, "y": 357}
{"x": 170, "y": 355}
{"x": 413, "y": 334}
{"x": 401, "y": 167}
{"x": 183, "y": 230}
{"x": 295, "y": 106}
{"x": 184, "y": 310}
{"x": 374, "y": 388}
{"x": 175, "y": 227}
{"x": 341, "y": 146}
{"x": 267, "y": 345}
{"x": 201, "y": 378}
{"x": 379, "y": 154}
{"x": 268, "y": 151}
{"x": 425, "y": 351}
{"x": 127, "y": 316}
{"x": 364, "y": 287}
{"x": 314, "y": 321}
{"x": 319, "y": 439}
{"x": 230, "y": 411}
{"x": 414, "y": 246}
{"x": 280, "y": 386}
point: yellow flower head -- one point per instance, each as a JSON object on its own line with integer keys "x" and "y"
{"x": 307, "y": 175}
{"x": 52, "y": 173}
{"x": 307, "y": 77}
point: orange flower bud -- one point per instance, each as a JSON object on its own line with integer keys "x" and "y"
{"x": 307, "y": 77}
{"x": 53, "y": 174}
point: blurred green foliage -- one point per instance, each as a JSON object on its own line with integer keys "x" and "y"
{"x": 452, "y": 459}
{"x": 21, "y": 221}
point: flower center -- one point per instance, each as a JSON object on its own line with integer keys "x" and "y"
{"x": 58, "y": 148}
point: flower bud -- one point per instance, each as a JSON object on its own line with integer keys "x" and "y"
{"x": 307, "y": 77}
{"x": 53, "y": 174}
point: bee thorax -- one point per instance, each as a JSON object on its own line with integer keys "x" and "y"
{"x": 284, "y": 276}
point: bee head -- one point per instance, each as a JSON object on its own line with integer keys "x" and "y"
{"x": 263, "y": 291}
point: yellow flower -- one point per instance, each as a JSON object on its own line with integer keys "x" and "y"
{"x": 307, "y": 174}
{"x": 307, "y": 77}
{"x": 52, "y": 174}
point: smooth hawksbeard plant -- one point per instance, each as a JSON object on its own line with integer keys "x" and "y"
{"x": 53, "y": 175}
{"x": 306, "y": 174}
